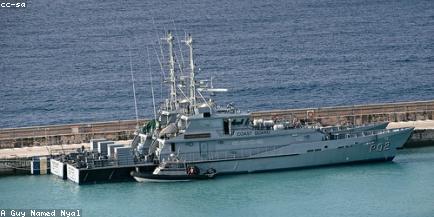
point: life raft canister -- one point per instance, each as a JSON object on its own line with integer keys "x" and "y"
{"x": 192, "y": 170}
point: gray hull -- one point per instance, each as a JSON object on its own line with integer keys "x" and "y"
{"x": 375, "y": 148}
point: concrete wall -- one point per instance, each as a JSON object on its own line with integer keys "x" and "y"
{"x": 67, "y": 134}
{"x": 122, "y": 130}
{"x": 421, "y": 138}
{"x": 358, "y": 114}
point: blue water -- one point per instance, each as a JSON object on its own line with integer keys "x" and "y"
{"x": 67, "y": 61}
{"x": 401, "y": 188}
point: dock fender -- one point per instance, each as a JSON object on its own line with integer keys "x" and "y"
{"x": 211, "y": 171}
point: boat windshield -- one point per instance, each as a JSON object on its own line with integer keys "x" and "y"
{"x": 174, "y": 165}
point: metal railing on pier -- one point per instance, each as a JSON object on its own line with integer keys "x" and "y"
{"x": 58, "y": 130}
{"x": 18, "y": 164}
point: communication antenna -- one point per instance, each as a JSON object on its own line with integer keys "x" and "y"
{"x": 162, "y": 77}
{"x": 173, "y": 98}
{"x": 163, "y": 74}
{"x": 180, "y": 49}
{"x": 189, "y": 42}
{"x": 161, "y": 47}
{"x": 152, "y": 85}
{"x": 134, "y": 87}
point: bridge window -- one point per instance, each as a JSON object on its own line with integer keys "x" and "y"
{"x": 237, "y": 121}
{"x": 247, "y": 121}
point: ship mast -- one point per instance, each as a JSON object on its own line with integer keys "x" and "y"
{"x": 173, "y": 100}
{"x": 189, "y": 42}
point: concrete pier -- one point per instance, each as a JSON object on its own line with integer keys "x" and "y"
{"x": 423, "y": 134}
{"x": 123, "y": 130}
{"x": 15, "y": 161}
{"x": 53, "y": 150}
{"x": 19, "y": 145}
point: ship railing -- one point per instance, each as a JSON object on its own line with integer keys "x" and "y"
{"x": 338, "y": 136}
{"x": 224, "y": 154}
{"x": 332, "y": 129}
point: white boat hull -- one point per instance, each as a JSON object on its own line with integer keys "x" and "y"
{"x": 139, "y": 179}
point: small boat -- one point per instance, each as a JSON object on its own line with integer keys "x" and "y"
{"x": 173, "y": 170}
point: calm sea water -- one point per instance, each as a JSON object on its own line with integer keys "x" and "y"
{"x": 401, "y": 188}
{"x": 67, "y": 61}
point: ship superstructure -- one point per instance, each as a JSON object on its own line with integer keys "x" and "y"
{"x": 209, "y": 139}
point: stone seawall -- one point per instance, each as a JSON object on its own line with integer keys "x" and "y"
{"x": 123, "y": 130}
{"x": 357, "y": 114}
{"x": 67, "y": 134}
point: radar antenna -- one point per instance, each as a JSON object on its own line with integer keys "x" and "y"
{"x": 173, "y": 99}
{"x": 189, "y": 42}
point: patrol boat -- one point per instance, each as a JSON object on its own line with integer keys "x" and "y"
{"x": 223, "y": 140}
{"x": 173, "y": 169}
